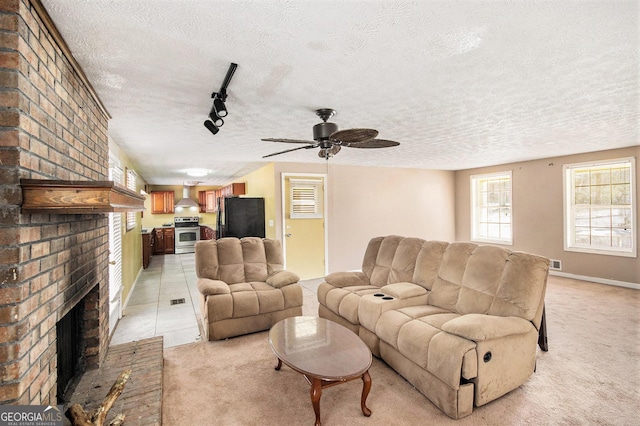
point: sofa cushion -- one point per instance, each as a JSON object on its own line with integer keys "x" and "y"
{"x": 481, "y": 278}
{"x": 404, "y": 260}
{"x": 207, "y": 264}
{"x": 428, "y": 262}
{"x": 377, "y": 264}
{"x": 446, "y": 287}
{"x": 522, "y": 287}
{"x": 390, "y": 322}
{"x": 255, "y": 298}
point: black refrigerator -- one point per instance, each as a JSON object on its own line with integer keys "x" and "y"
{"x": 241, "y": 217}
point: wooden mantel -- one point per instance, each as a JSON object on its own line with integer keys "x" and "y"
{"x": 77, "y": 197}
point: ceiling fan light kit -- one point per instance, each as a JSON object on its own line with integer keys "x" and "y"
{"x": 219, "y": 109}
{"x": 330, "y": 140}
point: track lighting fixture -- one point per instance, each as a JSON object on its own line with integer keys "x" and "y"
{"x": 219, "y": 109}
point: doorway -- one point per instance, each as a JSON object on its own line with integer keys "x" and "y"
{"x": 304, "y": 224}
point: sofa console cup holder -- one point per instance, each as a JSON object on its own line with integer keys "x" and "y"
{"x": 387, "y": 298}
{"x": 379, "y": 295}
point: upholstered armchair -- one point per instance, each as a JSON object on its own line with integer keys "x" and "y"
{"x": 243, "y": 286}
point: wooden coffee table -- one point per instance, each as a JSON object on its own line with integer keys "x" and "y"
{"x": 324, "y": 352}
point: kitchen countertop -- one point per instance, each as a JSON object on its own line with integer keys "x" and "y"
{"x": 150, "y": 230}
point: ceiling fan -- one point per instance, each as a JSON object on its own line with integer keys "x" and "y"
{"x": 330, "y": 140}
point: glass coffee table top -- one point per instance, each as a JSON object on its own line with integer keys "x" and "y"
{"x": 324, "y": 352}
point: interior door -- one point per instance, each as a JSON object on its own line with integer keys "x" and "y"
{"x": 304, "y": 211}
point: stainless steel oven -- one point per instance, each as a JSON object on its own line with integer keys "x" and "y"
{"x": 187, "y": 233}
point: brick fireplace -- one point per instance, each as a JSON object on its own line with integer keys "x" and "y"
{"x": 52, "y": 126}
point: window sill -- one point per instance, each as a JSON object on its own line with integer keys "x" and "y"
{"x": 601, "y": 251}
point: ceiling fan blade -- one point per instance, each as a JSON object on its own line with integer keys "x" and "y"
{"x": 373, "y": 143}
{"x": 285, "y": 140}
{"x": 348, "y": 136}
{"x": 292, "y": 149}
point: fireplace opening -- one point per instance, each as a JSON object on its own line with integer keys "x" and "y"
{"x": 70, "y": 351}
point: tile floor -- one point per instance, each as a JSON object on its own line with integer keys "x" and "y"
{"x": 149, "y": 312}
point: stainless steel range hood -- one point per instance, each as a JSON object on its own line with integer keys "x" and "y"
{"x": 186, "y": 201}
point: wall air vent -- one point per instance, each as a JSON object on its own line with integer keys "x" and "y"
{"x": 556, "y": 265}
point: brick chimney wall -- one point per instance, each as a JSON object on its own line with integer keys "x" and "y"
{"x": 51, "y": 127}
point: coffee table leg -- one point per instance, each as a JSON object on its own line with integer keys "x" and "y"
{"x": 279, "y": 364}
{"x": 366, "y": 387}
{"x": 316, "y": 393}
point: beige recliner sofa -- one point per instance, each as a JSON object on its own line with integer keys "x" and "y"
{"x": 458, "y": 320}
{"x": 243, "y": 287}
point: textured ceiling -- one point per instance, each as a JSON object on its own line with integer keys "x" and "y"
{"x": 460, "y": 84}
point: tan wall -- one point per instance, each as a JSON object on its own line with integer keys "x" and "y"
{"x": 131, "y": 239}
{"x": 365, "y": 202}
{"x": 538, "y": 218}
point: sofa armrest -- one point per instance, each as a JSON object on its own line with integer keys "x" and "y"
{"x": 347, "y": 279}
{"x": 478, "y": 327}
{"x": 403, "y": 290}
{"x": 283, "y": 278}
{"x": 211, "y": 287}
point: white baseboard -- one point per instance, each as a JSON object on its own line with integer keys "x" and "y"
{"x": 126, "y": 302}
{"x": 616, "y": 283}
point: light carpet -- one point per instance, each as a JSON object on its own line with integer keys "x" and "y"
{"x": 590, "y": 376}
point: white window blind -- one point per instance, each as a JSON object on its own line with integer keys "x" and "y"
{"x": 306, "y": 198}
{"x": 600, "y": 209}
{"x": 115, "y": 250}
{"x": 491, "y": 208}
{"x": 132, "y": 181}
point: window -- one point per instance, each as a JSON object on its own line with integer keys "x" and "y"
{"x": 132, "y": 181}
{"x": 306, "y": 198}
{"x": 600, "y": 209}
{"x": 491, "y": 219}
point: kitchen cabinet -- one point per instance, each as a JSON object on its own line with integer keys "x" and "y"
{"x": 231, "y": 190}
{"x": 162, "y": 202}
{"x": 164, "y": 241}
{"x": 208, "y": 200}
{"x": 148, "y": 239}
{"x": 207, "y": 233}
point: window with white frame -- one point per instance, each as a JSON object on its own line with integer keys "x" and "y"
{"x": 132, "y": 181}
{"x": 600, "y": 207}
{"x": 491, "y": 210}
{"x": 306, "y": 198}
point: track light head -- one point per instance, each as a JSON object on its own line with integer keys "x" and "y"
{"x": 212, "y": 127}
{"x": 219, "y": 107}
{"x": 215, "y": 118}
